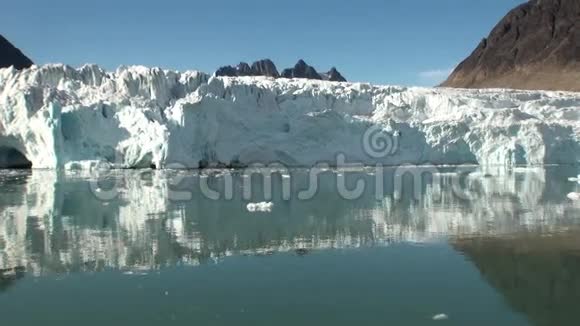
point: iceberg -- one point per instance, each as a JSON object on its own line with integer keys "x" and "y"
{"x": 56, "y": 116}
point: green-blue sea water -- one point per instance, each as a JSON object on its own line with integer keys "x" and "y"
{"x": 150, "y": 248}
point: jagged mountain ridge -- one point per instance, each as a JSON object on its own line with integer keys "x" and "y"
{"x": 266, "y": 67}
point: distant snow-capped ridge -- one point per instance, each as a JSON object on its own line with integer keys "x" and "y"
{"x": 57, "y": 116}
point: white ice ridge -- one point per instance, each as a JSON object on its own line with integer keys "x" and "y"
{"x": 58, "y": 116}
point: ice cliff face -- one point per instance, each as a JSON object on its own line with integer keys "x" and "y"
{"x": 57, "y": 116}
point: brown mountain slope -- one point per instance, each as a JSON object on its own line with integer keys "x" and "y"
{"x": 536, "y": 46}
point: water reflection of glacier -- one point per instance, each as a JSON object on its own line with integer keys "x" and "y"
{"x": 52, "y": 222}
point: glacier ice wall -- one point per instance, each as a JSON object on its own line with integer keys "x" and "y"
{"x": 58, "y": 116}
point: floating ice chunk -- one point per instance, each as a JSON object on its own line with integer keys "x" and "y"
{"x": 574, "y": 196}
{"x": 440, "y": 317}
{"x": 260, "y": 207}
{"x": 135, "y": 273}
{"x": 87, "y": 165}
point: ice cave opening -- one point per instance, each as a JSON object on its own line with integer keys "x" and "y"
{"x": 11, "y": 158}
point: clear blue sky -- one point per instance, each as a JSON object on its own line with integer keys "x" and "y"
{"x": 409, "y": 42}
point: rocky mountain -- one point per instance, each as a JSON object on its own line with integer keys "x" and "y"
{"x": 536, "y": 46}
{"x": 11, "y": 56}
{"x": 301, "y": 70}
{"x": 228, "y": 71}
{"x": 242, "y": 69}
{"x": 266, "y": 67}
{"x": 333, "y": 75}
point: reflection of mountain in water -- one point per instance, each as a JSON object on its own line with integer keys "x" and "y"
{"x": 537, "y": 275}
{"x": 51, "y": 222}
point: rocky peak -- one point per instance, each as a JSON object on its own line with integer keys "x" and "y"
{"x": 301, "y": 70}
{"x": 334, "y": 75}
{"x": 11, "y": 56}
{"x": 244, "y": 69}
{"x": 535, "y": 46}
{"x": 266, "y": 67}
{"x": 227, "y": 71}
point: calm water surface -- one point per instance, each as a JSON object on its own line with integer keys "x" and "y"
{"x": 508, "y": 254}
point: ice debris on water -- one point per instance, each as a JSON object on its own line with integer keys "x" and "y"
{"x": 440, "y": 317}
{"x": 260, "y": 207}
{"x": 574, "y": 196}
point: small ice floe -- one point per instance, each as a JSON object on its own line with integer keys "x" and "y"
{"x": 260, "y": 207}
{"x": 135, "y": 273}
{"x": 574, "y": 196}
{"x": 574, "y": 179}
{"x": 440, "y": 317}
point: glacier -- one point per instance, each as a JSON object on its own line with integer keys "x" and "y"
{"x": 56, "y": 116}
